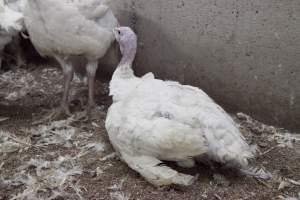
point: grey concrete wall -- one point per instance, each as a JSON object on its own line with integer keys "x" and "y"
{"x": 244, "y": 53}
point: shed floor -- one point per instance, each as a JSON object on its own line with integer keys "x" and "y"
{"x": 72, "y": 159}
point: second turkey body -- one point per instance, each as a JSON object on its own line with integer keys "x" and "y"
{"x": 65, "y": 29}
{"x": 152, "y": 120}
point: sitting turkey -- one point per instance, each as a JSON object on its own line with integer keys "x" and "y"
{"x": 11, "y": 23}
{"x": 65, "y": 29}
{"x": 151, "y": 121}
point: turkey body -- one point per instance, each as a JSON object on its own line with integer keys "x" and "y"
{"x": 152, "y": 120}
{"x": 66, "y": 29}
{"x": 165, "y": 120}
{"x": 59, "y": 28}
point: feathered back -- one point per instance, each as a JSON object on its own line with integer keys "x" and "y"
{"x": 98, "y": 11}
{"x": 10, "y": 20}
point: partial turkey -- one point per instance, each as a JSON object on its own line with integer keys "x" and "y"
{"x": 11, "y": 23}
{"x": 65, "y": 29}
{"x": 151, "y": 121}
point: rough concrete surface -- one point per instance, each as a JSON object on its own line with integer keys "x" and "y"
{"x": 244, "y": 53}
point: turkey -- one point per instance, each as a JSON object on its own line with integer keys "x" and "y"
{"x": 151, "y": 121}
{"x": 11, "y": 23}
{"x": 65, "y": 29}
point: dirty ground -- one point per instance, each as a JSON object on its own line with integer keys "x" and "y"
{"x": 72, "y": 159}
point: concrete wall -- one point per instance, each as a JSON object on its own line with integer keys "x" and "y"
{"x": 244, "y": 53}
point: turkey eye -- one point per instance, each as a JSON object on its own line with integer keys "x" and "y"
{"x": 119, "y": 32}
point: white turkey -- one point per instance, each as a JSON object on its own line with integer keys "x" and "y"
{"x": 11, "y": 23}
{"x": 151, "y": 121}
{"x": 65, "y": 29}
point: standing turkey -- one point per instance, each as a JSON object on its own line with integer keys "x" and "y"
{"x": 65, "y": 29}
{"x": 151, "y": 121}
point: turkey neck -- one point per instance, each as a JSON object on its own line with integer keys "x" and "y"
{"x": 124, "y": 69}
{"x": 123, "y": 78}
{"x": 128, "y": 55}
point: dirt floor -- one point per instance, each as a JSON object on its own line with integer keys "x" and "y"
{"x": 72, "y": 158}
